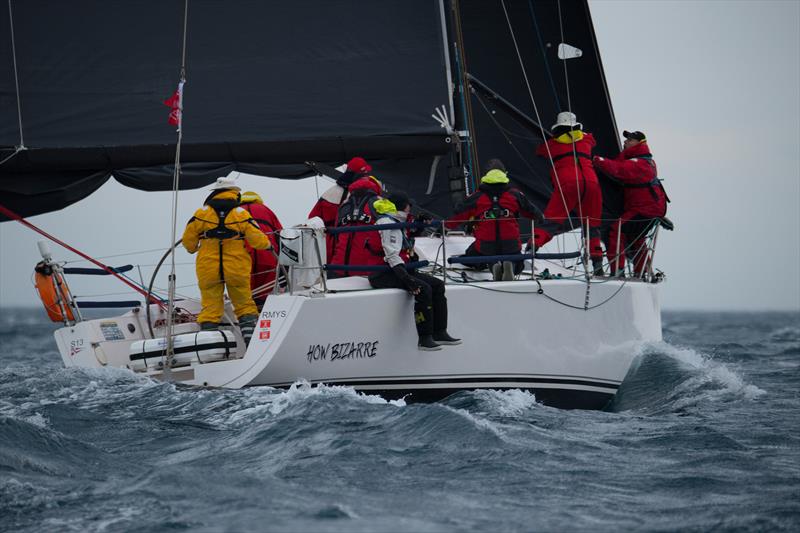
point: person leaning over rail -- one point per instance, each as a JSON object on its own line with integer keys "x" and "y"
{"x": 575, "y": 186}
{"x": 430, "y": 303}
{"x": 217, "y": 232}
{"x": 495, "y": 208}
{"x": 327, "y": 207}
{"x": 645, "y": 201}
{"x": 264, "y": 262}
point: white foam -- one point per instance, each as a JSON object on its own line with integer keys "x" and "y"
{"x": 478, "y": 421}
{"x": 788, "y": 333}
{"x": 258, "y": 402}
{"x": 511, "y": 402}
{"x": 706, "y": 370}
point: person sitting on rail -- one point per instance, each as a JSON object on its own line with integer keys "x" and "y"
{"x": 430, "y": 303}
{"x": 358, "y": 247}
{"x": 265, "y": 262}
{"x": 645, "y": 201}
{"x": 327, "y": 207}
{"x": 219, "y": 231}
{"x": 495, "y": 208}
{"x": 575, "y": 186}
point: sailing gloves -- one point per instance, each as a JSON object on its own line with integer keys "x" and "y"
{"x": 411, "y": 284}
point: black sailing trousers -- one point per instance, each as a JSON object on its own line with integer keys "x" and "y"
{"x": 430, "y": 305}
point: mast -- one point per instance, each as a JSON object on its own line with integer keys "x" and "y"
{"x": 466, "y": 136}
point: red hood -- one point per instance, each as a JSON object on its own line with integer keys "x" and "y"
{"x": 365, "y": 183}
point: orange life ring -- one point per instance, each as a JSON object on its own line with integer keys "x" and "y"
{"x": 52, "y": 288}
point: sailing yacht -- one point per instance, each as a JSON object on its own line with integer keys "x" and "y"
{"x": 425, "y": 90}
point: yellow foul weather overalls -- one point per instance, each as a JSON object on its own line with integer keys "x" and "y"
{"x": 222, "y": 260}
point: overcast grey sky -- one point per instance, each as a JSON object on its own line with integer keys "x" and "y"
{"x": 714, "y": 84}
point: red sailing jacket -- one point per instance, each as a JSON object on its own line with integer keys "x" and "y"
{"x": 363, "y": 247}
{"x": 495, "y": 208}
{"x": 637, "y": 172}
{"x": 326, "y": 208}
{"x": 564, "y": 161}
{"x": 269, "y": 224}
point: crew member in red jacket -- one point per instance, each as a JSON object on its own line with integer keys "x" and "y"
{"x": 495, "y": 208}
{"x": 645, "y": 201}
{"x": 575, "y": 186}
{"x": 265, "y": 262}
{"x": 328, "y": 204}
{"x": 361, "y": 247}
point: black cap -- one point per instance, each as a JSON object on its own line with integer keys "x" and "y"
{"x": 399, "y": 199}
{"x": 635, "y": 135}
{"x": 495, "y": 164}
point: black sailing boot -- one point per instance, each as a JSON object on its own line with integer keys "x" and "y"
{"x": 442, "y": 337}
{"x": 208, "y": 326}
{"x": 247, "y": 323}
{"x": 427, "y": 344}
{"x": 597, "y": 268}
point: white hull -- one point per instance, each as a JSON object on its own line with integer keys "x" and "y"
{"x": 513, "y": 337}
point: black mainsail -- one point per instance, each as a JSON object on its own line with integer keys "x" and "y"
{"x": 273, "y": 85}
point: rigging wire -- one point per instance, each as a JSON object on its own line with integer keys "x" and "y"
{"x": 535, "y": 108}
{"x": 574, "y": 148}
{"x": 16, "y": 76}
{"x": 175, "y": 187}
{"x": 544, "y": 54}
{"x": 466, "y": 102}
{"x": 21, "y": 146}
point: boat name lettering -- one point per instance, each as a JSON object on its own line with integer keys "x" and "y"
{"x": 273, "y": 314}
{"x": 342, "y": 350}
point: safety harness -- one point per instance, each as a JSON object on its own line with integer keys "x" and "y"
{"x": 354, "y": 213}
{"x": 653, "y": 183}
{"x": 576, "y": 155}
{"x": 496, "y": 213}
{"x": 221, "y": 232}
{"x": 571, "y": 154}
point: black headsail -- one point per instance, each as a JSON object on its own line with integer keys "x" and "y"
{"x": 270, "y": 85}
{"x": 505, "y": 122}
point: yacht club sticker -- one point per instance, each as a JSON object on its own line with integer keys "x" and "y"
{"x": 341, "y": 351}
{"x": 265, "y": 322}
{"x": 264, "y": 326}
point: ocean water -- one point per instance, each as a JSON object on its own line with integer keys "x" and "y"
{"x": 703, "y": 435}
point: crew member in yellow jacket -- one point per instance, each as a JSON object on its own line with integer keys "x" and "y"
{"x": 219, "y": 230}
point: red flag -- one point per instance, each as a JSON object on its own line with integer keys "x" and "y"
{"x": 176, "y": 103}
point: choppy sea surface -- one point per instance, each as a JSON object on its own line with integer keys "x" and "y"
{"x": 703, "y": 435}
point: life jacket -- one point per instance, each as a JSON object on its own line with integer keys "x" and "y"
{"x": 361, "y": 247}
{"x": 222, "y": 207}
{"x": 653, "y": 184}
{"x": 497, "y": 228}
{"x": 221, "y": 231}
